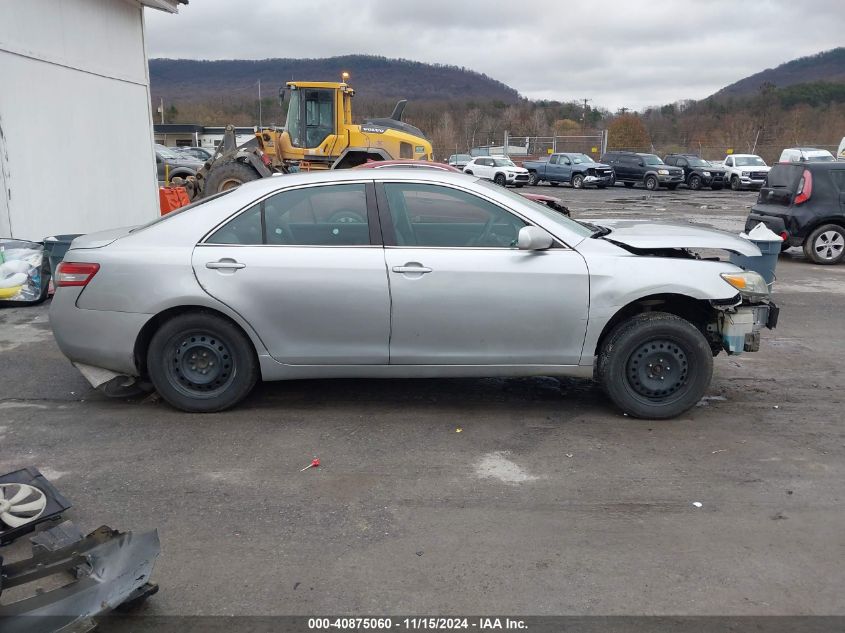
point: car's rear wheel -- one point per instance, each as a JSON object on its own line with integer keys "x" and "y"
{"x": 735, "y": 184}
{"x": 201, "y": 362}
{"x": 578, "y": 181}
{"x": 500, "y": 179}
{"x": 826, "y": 244}
{"x": 694, "y": 182}
{"x": 655, "y": 365}
{"x": 651, "y": 183}
{"x": 533, "y": 179}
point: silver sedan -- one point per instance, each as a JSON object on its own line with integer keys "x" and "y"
{"x": 401, "y": 273}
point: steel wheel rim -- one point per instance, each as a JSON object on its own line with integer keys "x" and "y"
{"x": 577, "y": 182}
{"x": 657, "y": 369}
{"x": 229, "y": 183}
{"x": 695, "y": 183}
{"x": 200, "y": 364}
{"x": 829, "y": 245}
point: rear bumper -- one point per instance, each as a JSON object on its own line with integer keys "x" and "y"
{"x": 99, "y": 338}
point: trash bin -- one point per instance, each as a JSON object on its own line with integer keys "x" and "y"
{"x": 56, "y": 247}
{"x": 769, "y": 244}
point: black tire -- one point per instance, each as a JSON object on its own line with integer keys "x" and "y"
{"x": 735, "y": 184}
{"x": 533, "y": 179}
{"x": 694, "y": 182}
{"x": 468, "y": 172}
{"x": 632, "y": 361}
{"x": 628, "y": 184}
{"x": 651, "y": 183}
{"x": 577, "y": 181}
{"x": 672, "y": 186}
{"x": 826, "y": 244}
{"x": 228, "y": 176}
{"x": 500, "y": 180}
{"x": 225, "y": 367}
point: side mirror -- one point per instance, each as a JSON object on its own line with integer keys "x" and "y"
{"x": 533, "y": 238}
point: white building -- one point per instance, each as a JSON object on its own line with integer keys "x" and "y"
{"x": 76, "y": 142}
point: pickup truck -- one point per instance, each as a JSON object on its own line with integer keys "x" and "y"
{"x": 578, "y": 170}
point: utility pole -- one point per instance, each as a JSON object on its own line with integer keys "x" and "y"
{"x": 259, "y": 104}
{"x": 161, "y": 108}
{"x": 584, "y": 115}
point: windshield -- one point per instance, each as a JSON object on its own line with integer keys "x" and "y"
{"x": 570, "y": 224}
{"x": 749, "y": 161}
{"x": 698, "y": 162}
{"x": 651, "y": 159}
{"x": 820, "y": 158}
{"x": 166, "y": 152}
{"x": 292, "y": 121}
{"x": 581, "y": 158}
{"x": 503, "y": 162}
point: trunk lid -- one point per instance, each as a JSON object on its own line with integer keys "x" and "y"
{"x": 100, "y": 238}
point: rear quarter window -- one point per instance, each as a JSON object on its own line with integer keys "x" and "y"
{"x": 785, "y": 176}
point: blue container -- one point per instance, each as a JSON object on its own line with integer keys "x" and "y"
{"x": 765, "y": 263}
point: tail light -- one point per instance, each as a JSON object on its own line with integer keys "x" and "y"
{"x": 74, "y": 274}
{"x": 784, "y": 235}
{"x": 805, "y": 188}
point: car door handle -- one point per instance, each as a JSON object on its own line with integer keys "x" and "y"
{"x": 411, "y": 269}
{"x": 225, "y": 265}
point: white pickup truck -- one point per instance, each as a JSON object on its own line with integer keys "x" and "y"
{"x": 745, "y": 171}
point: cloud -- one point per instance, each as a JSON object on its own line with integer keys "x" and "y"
{"x": 633, "y": 53}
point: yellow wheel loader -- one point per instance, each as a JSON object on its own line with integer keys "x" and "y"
{"x": 318, "y": 134}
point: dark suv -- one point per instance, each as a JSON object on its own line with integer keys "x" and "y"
{"x": 631, "y": 168}
{"x": 698, "y": 172}
{"x": 805, "y": 204}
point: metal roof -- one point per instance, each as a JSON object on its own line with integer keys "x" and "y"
{"x": 171, "y": 6}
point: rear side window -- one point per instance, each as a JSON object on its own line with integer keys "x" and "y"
{"x": 785, "y": 176}
{"x": 329, "y": 215}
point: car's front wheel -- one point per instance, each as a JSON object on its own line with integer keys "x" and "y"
{"x": 578, "y": 181}
{"x": 735, "y": 184}
{"x": 655, "y": 365}
{"x": 651, "y": 183}
{"x": 500, "y": 180}
{"x": 533, "y": 179}
{"x": 694, "y": 182}
{"x": 826, "y": 244}
{"x": 201, "y": 362}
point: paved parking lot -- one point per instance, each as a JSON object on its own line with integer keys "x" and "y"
{"x": 547, "y": 501}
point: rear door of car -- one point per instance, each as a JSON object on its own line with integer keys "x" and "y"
{"x": 305, "y": 267}
{"x": 463, "y": 294}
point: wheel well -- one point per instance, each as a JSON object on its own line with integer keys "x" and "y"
{"x": 147, "y": 332}
{"x": 837, "y": 221}
{"x": 500, "y": 173}
{"x": 699, "y": 312}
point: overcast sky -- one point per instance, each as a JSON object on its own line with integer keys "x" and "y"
{"x": 631, "y": 53}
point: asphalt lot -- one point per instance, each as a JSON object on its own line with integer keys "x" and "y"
{"x": 548, "y": 501}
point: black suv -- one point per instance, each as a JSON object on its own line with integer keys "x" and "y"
{"x": 631, "y": 168}
{"x": 698, "y": 172}
{"x": 805, "y": 204}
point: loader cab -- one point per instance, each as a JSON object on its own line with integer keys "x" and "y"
{"x": 317, "y": 111}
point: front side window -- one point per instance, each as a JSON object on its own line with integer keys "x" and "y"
{"x": 328, "y": 215}
{"x": 436, "y": 216}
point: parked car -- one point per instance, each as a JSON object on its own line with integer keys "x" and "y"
{"x": 805, "y": 154}
{"x": 458, "y": 277}
{"x": 575, "y": 169}
{"x": 745, "y": 171}
{"x": 459, "y": 160}
{"x": 632, "y": 168}
{"x": 199, "y": 153}
{"x": 406, "y": 163}
{"x": 499, "y": 169}
{"x": 556, "y": 204}
{"x": 805, "y": 204}
{"x": 698, "y": 172}
{"x": 840, "y": 153}
{"x": 170, "y": 164}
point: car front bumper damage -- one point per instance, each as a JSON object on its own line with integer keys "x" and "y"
{"x": 739, "y": 328}
{"x": 110, "y": 569}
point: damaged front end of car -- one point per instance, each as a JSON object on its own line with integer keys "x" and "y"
{"x": 739, "y": 321}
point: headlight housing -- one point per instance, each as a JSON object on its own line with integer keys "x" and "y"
{"x": 706, "y": 174}
{"x": 663, "y": 172}
{"x": 749, "y": 283}
{"x": 746, "y": 174}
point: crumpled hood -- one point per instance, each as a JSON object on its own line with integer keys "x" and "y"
{"x": 100, "y": 238}
{"x": 647, "y": 235}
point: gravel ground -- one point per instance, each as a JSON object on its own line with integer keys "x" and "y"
{"x": 529, "y": 496}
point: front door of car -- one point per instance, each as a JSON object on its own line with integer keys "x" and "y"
{"x": 553, "y": 169}
{"x": 463, "y": 294}
{"x": 305, "y": 268}
{"x": 565, "y": 169}
{"x": 485, "y": 168}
